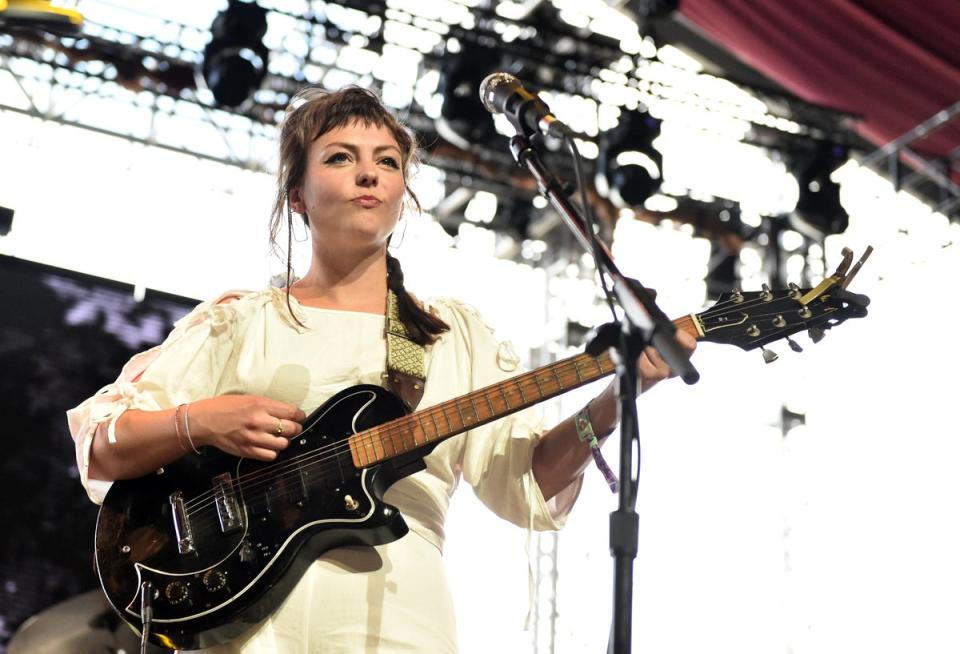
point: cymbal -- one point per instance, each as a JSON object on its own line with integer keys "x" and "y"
{"x": 81, "y": 624}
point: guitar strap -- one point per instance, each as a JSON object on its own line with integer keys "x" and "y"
{"x": 405, "y": 375}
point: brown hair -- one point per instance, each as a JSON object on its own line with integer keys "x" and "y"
{"x": 312, "y": 113}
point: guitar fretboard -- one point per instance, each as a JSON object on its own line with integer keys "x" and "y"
{"x": 460, "y": 414}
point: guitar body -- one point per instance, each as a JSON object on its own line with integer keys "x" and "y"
{"x": 223, "y": 540}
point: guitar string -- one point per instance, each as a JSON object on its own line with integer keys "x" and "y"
{"x": 381, "y": 432}
{"x": 327, "y": 463}
{"x": 270, "y": 474}
{"x": 325, "y": 457}
{"x": 398, "y": 427}
{"x": 393, "y": 428}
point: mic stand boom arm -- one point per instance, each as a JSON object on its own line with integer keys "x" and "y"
{"x": 645, "y": 324}
{"x": 641, "y": 311}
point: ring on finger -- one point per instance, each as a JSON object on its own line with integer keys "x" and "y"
{"x": 279, "y": 430}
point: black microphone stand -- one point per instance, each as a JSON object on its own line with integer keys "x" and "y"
{"x": 644, "y": 324}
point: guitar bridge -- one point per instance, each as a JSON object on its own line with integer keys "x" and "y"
{"x": 181, "y": 524}
{"x": 228, "y": 508}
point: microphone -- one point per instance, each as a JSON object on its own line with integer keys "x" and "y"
{"x": 502, "y": 93}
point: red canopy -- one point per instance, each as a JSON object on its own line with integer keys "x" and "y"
{"x": 895, "y": 62}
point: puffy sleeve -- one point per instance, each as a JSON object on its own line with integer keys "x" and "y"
{"x": 185, "y": 367}
{"x": 496, "y": 458}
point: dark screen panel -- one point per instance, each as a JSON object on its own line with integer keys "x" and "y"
{"x": 63, "y": 335}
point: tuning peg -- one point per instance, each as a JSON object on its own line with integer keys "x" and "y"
{"x": 794, "y": 345}
{"x": 769, "y": 356}
{"x": 816, "y": 334}
{"x": 767, "y": 294}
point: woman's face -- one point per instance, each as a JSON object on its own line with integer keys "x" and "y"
{"x": 353, "y": 187}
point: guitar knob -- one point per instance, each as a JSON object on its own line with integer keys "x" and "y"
{"x": 247, "y": 553}
{"x": 214, "y": 580}
{"x": 794, "y": 345}
{"x": 176, "y": 592}
{"x": 816, "y": 334}
{"x": 769, "y": 356}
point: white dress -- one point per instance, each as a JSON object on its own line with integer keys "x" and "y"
{"x": 393, "y": 598}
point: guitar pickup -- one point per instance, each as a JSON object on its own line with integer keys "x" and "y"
{"x": 228, "y": 508}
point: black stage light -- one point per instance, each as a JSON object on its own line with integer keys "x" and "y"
{"x": 235, "y": 60}
{"x": 819, "y": 212}
{"x": 629, "y": 167}
{"x": 653, "y": 8}
{"x": 6, "y": 220}
{"x": 464, "y": 121}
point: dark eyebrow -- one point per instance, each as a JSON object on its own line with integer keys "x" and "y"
{"x": 353, "y": 148}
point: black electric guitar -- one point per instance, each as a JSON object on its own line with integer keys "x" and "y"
{"x": 216, "y": 542}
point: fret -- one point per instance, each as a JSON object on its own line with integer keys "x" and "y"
{"x": 476, "y": 414}
{"x": 367, "y": 445}
{"x": 539, "y": 382}
{"x": 355, "y": 453}
{"x": 553, "y": 369}
{"x": 388, "y": 439}
{"x": 410, "y": 436}
{"x": 433, "y": 419}
{"x": 493, "y": 411}
{"x": 456, "y": 406}
{"x": 399, "y": 442}
{"x": 599, "y": 367}
{"x": 503, "y": 395}
{"x": 374, "y": 440}
{"x": 471, "y": 407}
{"x": 576, "y": 369}
{"x": 519, "y": 385}
{"x": 446, "y": 419}
{"x": 414, "y": 429}
{"x": 396, "y": 441}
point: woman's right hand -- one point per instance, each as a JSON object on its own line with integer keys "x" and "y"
{"x": 248, "y": 426}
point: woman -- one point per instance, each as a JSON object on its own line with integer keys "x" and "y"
{"x": 238, "y": 374}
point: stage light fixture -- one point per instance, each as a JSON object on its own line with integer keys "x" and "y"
{"x": 818, "y": 212}
{"x": 463, "y": 120}
{"x": 646, "y": 9}
{"x": 39, "y": 15}
{"x": 629, "y": 167}
{"x": 6, "y": 220}
{"x": 235, "y": 60}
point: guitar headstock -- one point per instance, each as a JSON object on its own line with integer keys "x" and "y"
{"x": 752, "y": 319}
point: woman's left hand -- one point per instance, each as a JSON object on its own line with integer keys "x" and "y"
{"x": 651, "y": 366}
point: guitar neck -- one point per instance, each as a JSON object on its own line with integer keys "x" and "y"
{"x": 482, "y": 406}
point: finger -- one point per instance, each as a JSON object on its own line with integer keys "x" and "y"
{"x": 653, "y": 367}
{"x": 277, "y": 426}
{"x": 270, "y": 441}
{"x": 283, "y": 410}
{"x": 687, "y": 341}
{"x": 661, "y": 368}
{"x": 290, "y": 429}
{"x": 259, "y": 453}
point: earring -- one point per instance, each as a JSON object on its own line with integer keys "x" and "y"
{"x": 403, "y": 233}
{"x": 296, "y": 233}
